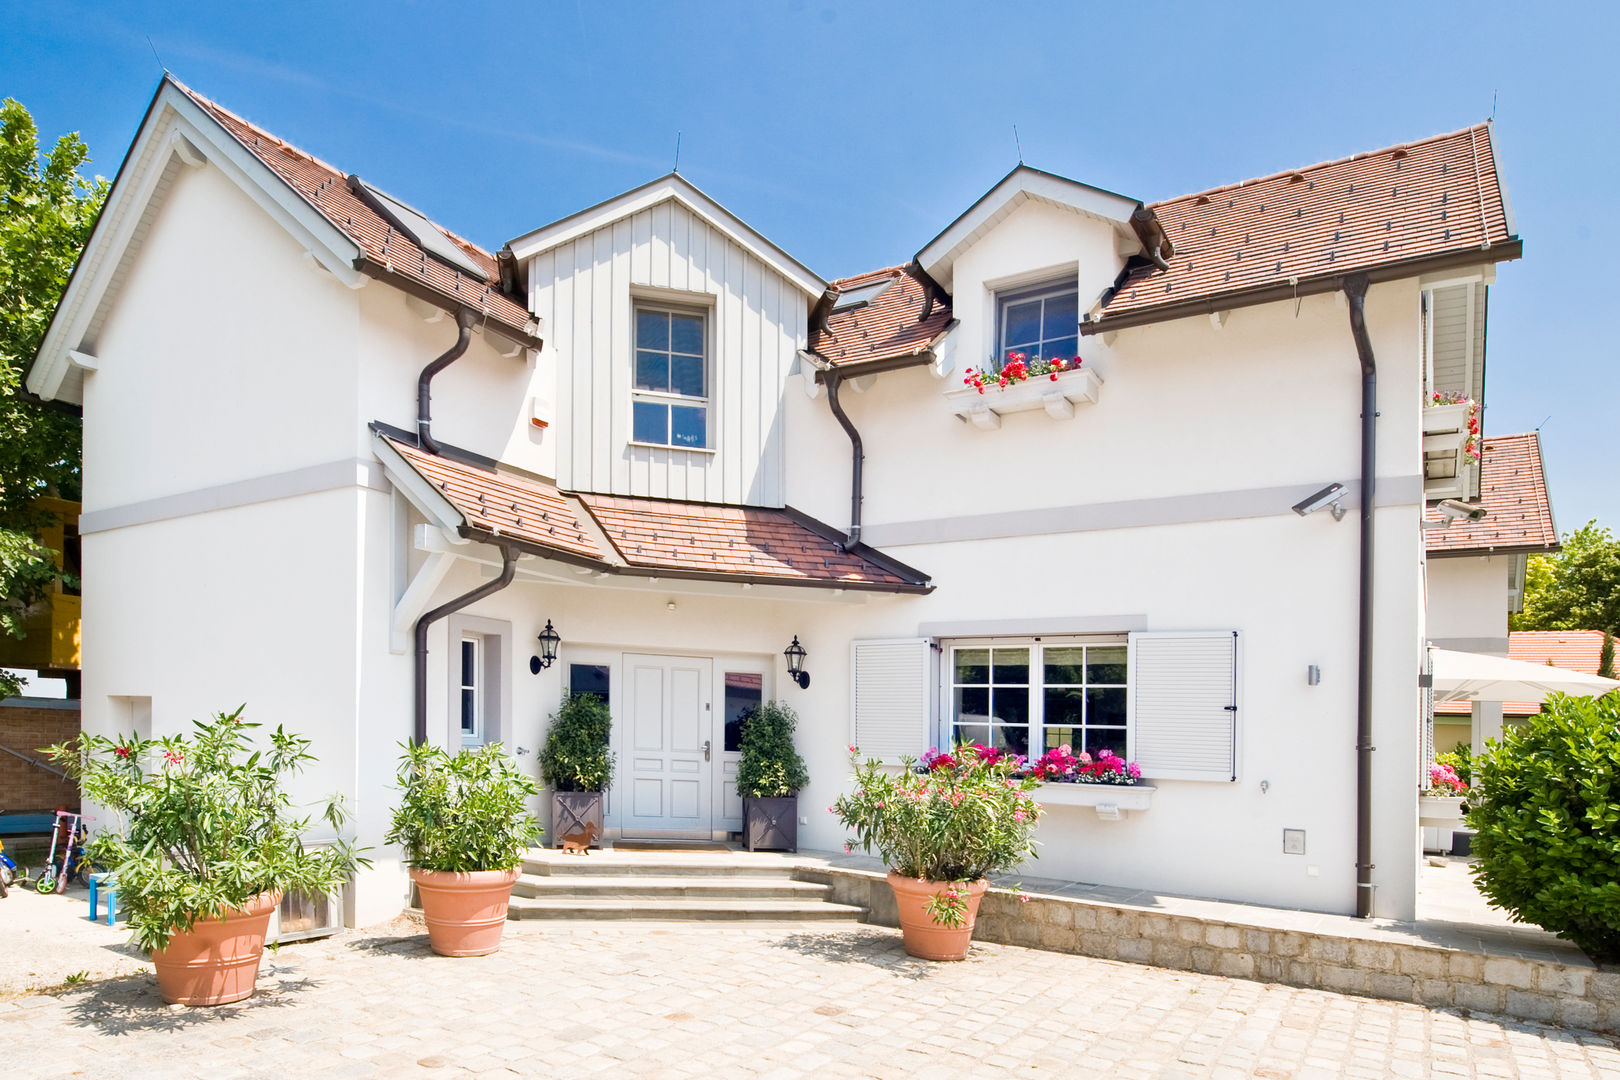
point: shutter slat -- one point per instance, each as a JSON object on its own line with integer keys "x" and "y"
{"x": 1182, "y": 687}
{"x": 890, "y": 691}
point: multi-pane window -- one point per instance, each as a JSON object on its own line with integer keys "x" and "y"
{"x": 472, "y": 691}
{"x": 1042, "y": 324}
{"x": 1031, "y": 697}
{"x": 670, "y": 403}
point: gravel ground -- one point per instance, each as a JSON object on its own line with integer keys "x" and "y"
{"x": 45, "y": 940}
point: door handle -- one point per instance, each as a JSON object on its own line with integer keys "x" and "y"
{"x": 707, "y": 745}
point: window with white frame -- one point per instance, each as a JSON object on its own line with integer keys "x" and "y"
{"x": 1042, "y": 323}
{"x": 473, "y": 695}
{"x": 669, "y": 405}
{"x": 1030, "y": 696}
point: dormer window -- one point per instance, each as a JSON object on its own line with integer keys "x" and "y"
{"x": 1042, "y": 323}
{"x": 670, "y": 402}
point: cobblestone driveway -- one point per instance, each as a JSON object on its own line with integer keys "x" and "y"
{"x": 702, "y": 1001}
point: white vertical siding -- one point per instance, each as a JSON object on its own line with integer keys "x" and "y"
{"x": 584, "y": 291}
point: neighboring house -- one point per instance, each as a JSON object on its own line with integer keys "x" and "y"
{"x": 1577, "y": 650}
{"x": 1476, "y": 573}
{"x": 666, "y": 438}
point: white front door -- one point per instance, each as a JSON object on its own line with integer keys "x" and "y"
{"x": 669, "y": 746}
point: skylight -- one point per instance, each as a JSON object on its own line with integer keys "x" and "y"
{"x": 860, "y": 296}
{"x": 428, "y": 236}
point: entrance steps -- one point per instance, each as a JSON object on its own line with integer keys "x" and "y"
{"x": 672, "y": 886}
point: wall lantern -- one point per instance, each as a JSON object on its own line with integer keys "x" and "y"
{"x": 549, "y": 640}
{"x": 795, "y": 658}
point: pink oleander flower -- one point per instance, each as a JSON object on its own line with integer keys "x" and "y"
{"x": 848, "y": 849}
{"x": 172, "y": 758}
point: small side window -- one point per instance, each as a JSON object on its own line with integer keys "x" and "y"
{"x": 472, "y": 695}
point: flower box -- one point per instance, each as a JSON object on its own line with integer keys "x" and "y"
{"x": 1057, "y": 397}
{"x": 1111, "y": 801}
{"x": 1451, "y": 447}
{"x": 1440, "y": 811}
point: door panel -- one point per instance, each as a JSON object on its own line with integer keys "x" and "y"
{"x": 670, "y": 766}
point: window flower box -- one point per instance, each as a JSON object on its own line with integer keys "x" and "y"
{"x": 1057, "y": 396}
{"x": 1451, "y": 444}
{"x": 1110, "y": 801}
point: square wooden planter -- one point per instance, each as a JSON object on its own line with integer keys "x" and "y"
{"x": 576, "y": 815}
{"x": 771, "y": 824}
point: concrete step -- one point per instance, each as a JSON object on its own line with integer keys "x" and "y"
{"x": 679, "y": 886}
{"x": 682, "y": 910}
{"x": 644, "y": 864}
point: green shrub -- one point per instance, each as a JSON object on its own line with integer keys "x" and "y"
{"x": 463, "y": 813}
{"x": 576, "y": 755}
{"x": 770, "y": 767}
{"x": 1545, "y": 802}
{"x": 206, "y": 824}
{"x": 1461, "y": 760}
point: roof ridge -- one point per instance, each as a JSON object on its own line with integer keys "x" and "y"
{"x": 897, "y": 269}
{"x": 1470, "y": 129}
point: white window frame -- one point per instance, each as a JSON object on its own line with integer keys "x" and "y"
{"x": 475, "y": 737}
{"x": 493, "y": 672}
{"x": 670, "y": 398}
{"x": 1037, "y": 684}
{"x": 1040, "y": 291}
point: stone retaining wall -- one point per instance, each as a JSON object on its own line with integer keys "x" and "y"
{"x": 1575, "y": 995}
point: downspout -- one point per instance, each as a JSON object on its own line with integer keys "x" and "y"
{"x": 509, "y": 557}
{"x": 1355, "y": 291}
{"x": 424, "y": 435}
{"x": 833, "y": 379}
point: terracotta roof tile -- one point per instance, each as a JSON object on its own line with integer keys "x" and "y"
{"x": 326, "y": 188}
{"x": 520, "y": 507}
{"x": 1574, "y": 650}
{"x": 890, "y": 326}
{"x": 1513, "y": 490}
{"x": 747, "y": 541}
{"x": 1426, "y": 198}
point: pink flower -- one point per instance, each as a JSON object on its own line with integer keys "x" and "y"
{"x": 1022, "y": 899}
{"x": 121, "y": 751}
{"x": 848, "y": 849}
{"x": 171, "y": 757}
{"x": 854, "y": 750}
{"x": 1019, "y": 815}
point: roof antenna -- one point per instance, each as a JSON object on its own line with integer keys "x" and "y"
{"x": 1543, "y": 423}
{"x": 165, "y": 67}
{"x": 677, "y": 167}
{"x": 1493, "y": 104}
{"x": 1018, "y": 144}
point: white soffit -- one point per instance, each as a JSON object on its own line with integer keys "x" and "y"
{"x": 1017, "y": 187}
{"x": 666, "y": 188}
{"x": 175, "y": 133}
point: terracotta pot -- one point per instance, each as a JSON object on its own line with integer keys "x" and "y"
{"x": 216, "y": 962}
{"x": 465, "y": 913}
{"x": 923, "y": 937}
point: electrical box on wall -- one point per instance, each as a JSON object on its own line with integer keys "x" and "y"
{"x": 1293, "y": 841}
{"x": 540, "y": 413}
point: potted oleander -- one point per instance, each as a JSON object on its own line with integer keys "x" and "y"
{"x": 942, "y": 827}
{"x": 770, "y": 775}
{"x": 578, "y": 766}
{"x": 205, "y": 845}
{"x": 464, "y": 823}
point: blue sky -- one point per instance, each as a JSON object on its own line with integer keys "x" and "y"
{"x": 851, "y": 133}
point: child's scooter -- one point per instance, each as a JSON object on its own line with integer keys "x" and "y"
{"x": 68, "y": 835}
{"x": 8, "y": 871}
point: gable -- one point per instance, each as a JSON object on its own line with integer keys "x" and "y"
{"x": 666, "y": 189}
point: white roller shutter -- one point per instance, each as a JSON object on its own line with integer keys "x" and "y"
{"x": 1183, "y": 704}
{"x": 891, "y": 687}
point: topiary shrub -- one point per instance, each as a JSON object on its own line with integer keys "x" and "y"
{"x": 1545, "y": 803}
{"x": 770, "y": 767}
{"x": 576, "y": 755}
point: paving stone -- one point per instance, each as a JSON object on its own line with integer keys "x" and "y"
{"x": 576, "y": 1001}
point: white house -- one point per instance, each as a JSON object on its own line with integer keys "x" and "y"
{"x": 662, "y": 435}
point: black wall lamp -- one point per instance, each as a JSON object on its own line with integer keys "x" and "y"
{"x": 549, "y": 640}
{"x": 795, "y": 658}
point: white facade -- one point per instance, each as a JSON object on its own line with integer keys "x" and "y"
{"x": 243, "y": 543}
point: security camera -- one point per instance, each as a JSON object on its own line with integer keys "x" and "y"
{"x": 1328, "y": 497}
{"x": 1455, "y": 510}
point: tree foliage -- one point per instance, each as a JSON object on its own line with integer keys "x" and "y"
{"x": 465, "y": 812}
{"x": 47, "y": 209}
{"x": 576, "y": 755}
{"x": 770, "y": 767}
{"x": 1545, "y": 804}
{"x": 1576, "y": 589}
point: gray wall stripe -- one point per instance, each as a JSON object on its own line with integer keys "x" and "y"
{"x": 1130, "y": 514}
{"x": 329, "y": 476}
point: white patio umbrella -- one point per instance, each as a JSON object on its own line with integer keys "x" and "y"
{"x": 1464, "y": 676}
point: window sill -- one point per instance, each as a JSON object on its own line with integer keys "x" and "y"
{"x": 1058, "y": 397}
{"x": 1111, "y": 801}
{"x": 678, "y": 449}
